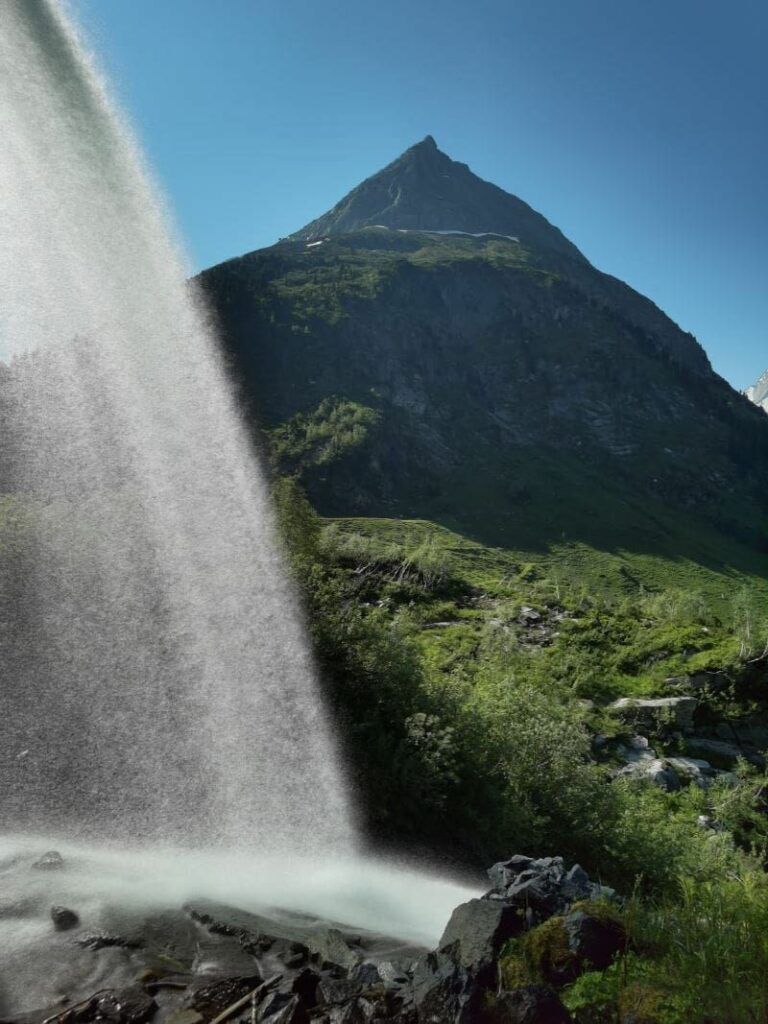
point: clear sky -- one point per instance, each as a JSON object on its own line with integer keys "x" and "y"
{"x": 639, "y": 127}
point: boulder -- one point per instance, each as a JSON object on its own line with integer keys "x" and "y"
{"x": 528, "y": 616}
{"x": 63, "y": 919}
{"x": 129, "y": 1006}
{"x": 212, "y": 998}
{"x": 477, "y": 930}
{"x": 655, "y": 770}
{"x": 504, "y": 872}
{"x": 700, "y": 773}
{"x": 541, "y": 888}
{"x": 658, "y": 712}
{"x": 50, "y": 861}
{"x": 330, "y": 947}
{"x": 594, "y": 937}
{"x": 444, "y": 991}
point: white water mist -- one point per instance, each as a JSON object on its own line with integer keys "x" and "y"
{"x": 156, "y": 682}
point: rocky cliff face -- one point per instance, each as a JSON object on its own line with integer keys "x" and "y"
{"x": 758, "y": 392}
{"x": 463, "y": 362}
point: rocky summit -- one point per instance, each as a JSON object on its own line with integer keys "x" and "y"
{"x": 424, "y": 190}
{"x": 433, "y": 348}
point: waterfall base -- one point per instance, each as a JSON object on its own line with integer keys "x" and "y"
{"x": 141, "y": 911}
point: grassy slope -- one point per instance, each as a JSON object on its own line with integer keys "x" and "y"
{"x": 694, "y": 616}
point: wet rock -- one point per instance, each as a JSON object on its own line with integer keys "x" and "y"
{"x": 211, "y": 998}
{"x": 63, "y": 919}
{"x": 445, "y": 991}
{"x": 96, "y": 942}
{"x": 477, "y": 930}
{"x": 330, "y": 947}
{"x": 534, "y": 1004}
{"x": 129, "y": 1006}
{"x": 50, "y": 861}
{"x": 336, "y": 991}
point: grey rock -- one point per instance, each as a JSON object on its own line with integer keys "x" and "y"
{"x": 129, "y": 1006}
{"x": 212, "y": 998}
{"x": 501, "y": 874}
{"x": 528, "y": 616}
{"x": 477, "y": 930}
{"x": 50, "y": 861}
{"x": 701, "y": 773}
{"x": 330, "y": 946}
{"x": 657, "y": 712}
{"x": 653, "y": 770}
{"x": 443, "y": 991}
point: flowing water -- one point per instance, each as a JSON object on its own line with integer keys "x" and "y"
{"x": 156, "y": 681}
{"x": 162, "y": 724}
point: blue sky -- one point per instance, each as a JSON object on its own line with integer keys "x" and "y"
{"x": 639, "y": 127}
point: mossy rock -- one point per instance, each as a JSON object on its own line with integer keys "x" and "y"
{"x": 601, "y": 910}
{"x": 542, "y": 954}
{"x": 563, "y": 947}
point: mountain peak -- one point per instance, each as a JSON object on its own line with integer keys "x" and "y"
{"x": 425, "y": 190}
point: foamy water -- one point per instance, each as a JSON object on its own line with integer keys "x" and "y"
{"x": 367, "y": 893}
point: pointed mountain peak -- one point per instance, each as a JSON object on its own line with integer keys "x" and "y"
{"x": 425, "y": 190}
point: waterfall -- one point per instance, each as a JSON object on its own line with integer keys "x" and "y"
{"x": 157, "y": 685}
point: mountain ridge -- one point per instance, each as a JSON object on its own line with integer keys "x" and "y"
{"x": 504, "y": 389}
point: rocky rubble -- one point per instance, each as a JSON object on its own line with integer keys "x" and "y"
{"x": 501, "y": 960}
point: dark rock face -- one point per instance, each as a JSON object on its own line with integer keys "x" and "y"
{"x": 534, "y": 1004}
{"x": 593, "y": 941}
{"x": 64, "y": 919}
{"x": 485, "y": 364}
{"x": 477, "y": 930}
